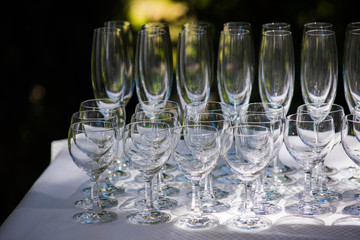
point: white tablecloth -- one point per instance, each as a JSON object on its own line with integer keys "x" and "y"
{"x": 47, "y": 209}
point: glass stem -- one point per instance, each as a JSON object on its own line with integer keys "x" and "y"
{"x": 95, "y": 193}
{"x": 148, "y": 193}
{"x": 307, "y": 192}
{"x": 260, "y": 191}
{"x": 160, "y": 183}
{"x": 247, "y": 204}
{"x": 195, "y": 198}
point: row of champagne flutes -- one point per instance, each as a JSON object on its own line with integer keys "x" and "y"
{"x": 247, "y": 144}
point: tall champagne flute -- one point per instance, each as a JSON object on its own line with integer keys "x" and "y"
{"x": 194, "y": 67}
{"x": 248, "y": 149}
{"x": 92, "y": 146}
{"x": 109, "y": 63}
{"x": 351, "y": 69}
{"x": 276, "y": 81}
{"x": 128, "y": 35}
{"x": 308, "y": 140}
{"x": 235, "y": 69}
{"x": 319, "y": 67}
{"x": 153, "y": 66}
{"x": 196, "y": 152}
{"x": 148, "y": 145}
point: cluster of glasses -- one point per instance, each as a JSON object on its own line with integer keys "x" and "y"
{"x": 199, "y": 134}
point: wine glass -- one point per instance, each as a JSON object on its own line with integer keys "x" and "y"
{"x": 153, "y": 66}
{"x": 350, "y": 142}
{"x": 276, "y": 126}
{"x": 148, "y": 146}
{"x": 248, "y": 150}
{"x": 109, "y": 62}
{"x": 208, "y": 198}
{"x": 117, "y": 171}
{"x": 193, "y": 66}
{"x": 308, "y": 140}
{"x": 196, "y": 154}
{"x": 93, "y": 146}
{"x": 235, "y": 69}
{"x": 163, "y": 190}
{"x": 321, "y": 192}
{"x": 106, "y": 187}
{"x": 276, "y": 79}
{"x": 128, "y": 35}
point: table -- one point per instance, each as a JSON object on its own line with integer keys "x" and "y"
{"x": 47, "y": 209}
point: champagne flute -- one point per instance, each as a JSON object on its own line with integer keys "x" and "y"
{"x": 235, "y": 69}
{"x": 128, "y": 35}
{"x": 93, "y": 146}
{"x": 153, "y": 66}
{"x": 276, "y": 81}
{"x": 109, "y": 63}
{"x": 194, "y": 67}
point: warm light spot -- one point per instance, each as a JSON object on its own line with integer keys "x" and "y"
{"x": 37, "y": 93}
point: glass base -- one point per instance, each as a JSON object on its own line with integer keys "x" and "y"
{"x": 280, "y": 180}
{"x": 299, "y": 221}
{"x": 161, "y": 203}
{"x": 107, "y": 189}
{"x": 197, "y": 222}
{"x": 282, "y": 170}
{"x": 166, "y": 178}
{"x": 357, "y": 196}
{"x": 86, "y": 203}
{"x": 169, "y": 167}
{"x": 248, "y": 223}
{"x": 229, "y": 179}
{"x": 93, "y": 217}
{"x": 181, "y": 178}
{"x": 166, "y": 191}
{"x": 118, "y": 175}
{"x": 148, "y": 217}
{"x": 327, "y": 196}
{"x": 272, "y": 195}
{"x": 214, "y": 207}
{"x": 310, "y": 209}
{"x": 266, "y": 208}
{"x": 330, "y": 171}
{"x": 353, "y": 209}
{"x": 346, "y": 221}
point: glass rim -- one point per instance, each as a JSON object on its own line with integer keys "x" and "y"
{"x": 198, "y": 126}
{"x": 320, "y": 32}
{"x": 235, "y": 32}
{"x": 112, "y": 125}
{"x": 291, "y": 116}
{"x": 166, "y": 125}
{"x": 120, "y": 22}
{"x": 238, "y": 23}
{"x": 277, "y": 33}
{"x": 151, "y": 32}
{"x": 354, "y": 31}
{"x": 154, "y": 25}
{"x": 225, "y": 119}
{"x": 315, "y": 25}
{"x": 108, "y": 30}
{"x": 278, "y": 106}
{"x": 239, "y": 125}
{"x": 337, "y": 106}
{"x": 193, "y": 30}
{"x": 195, "y": 24}
{"x": 353, "y": 117}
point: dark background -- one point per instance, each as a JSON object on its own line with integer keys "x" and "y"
{"x": 45, "y": 73}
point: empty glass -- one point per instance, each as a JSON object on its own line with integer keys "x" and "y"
{"x": 235, "y": 69}
{"x": 128, "y": 35}
{"x": 350, "y": 136}
{"x": 308, "y": 140}
{"x": 248, "y": 150}
{"x": 193, "y": 66}
{"x": 153, "y": 66}
{"x": 196, "y": 154}
{"x": 93, "y": 146}
{"x": 148, "y": 146}
{"x": 109, "y": 63}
